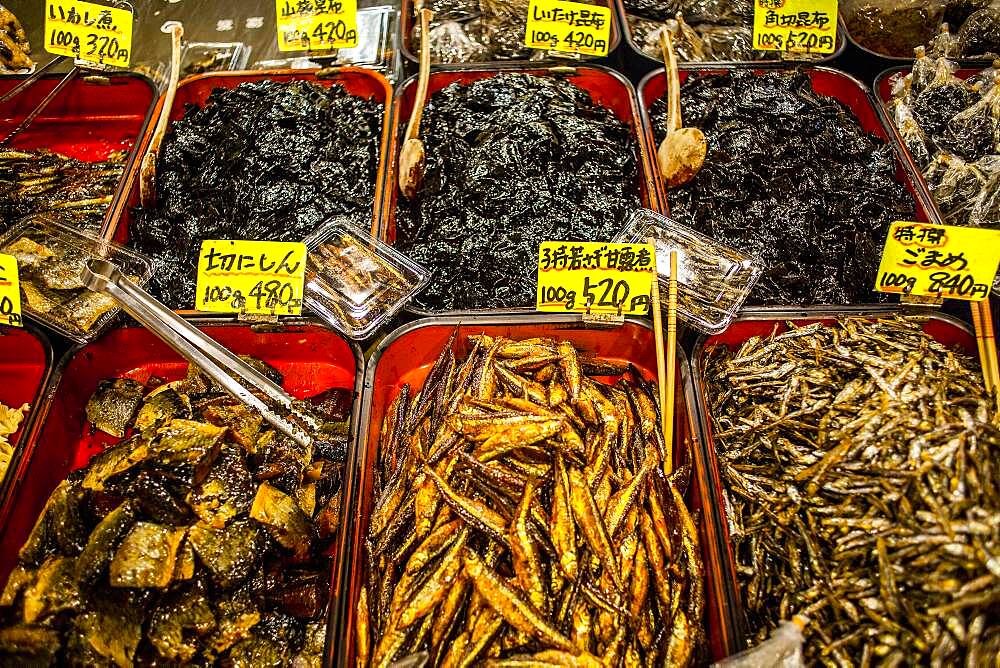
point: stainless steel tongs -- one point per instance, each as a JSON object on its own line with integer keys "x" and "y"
{"x": 214, "y": 360}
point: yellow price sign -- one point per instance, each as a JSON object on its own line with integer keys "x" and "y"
{"x": 251, "y": 277}
{"x": 316, "y": 25}
{"x": 595, "y": 277}
{"x": 801, "y": 26}
{"x": 569, "y": 27}
{"x": 90, "y": 32}
{"x": 939, "y": 261}
{"x": 10, "y": 292}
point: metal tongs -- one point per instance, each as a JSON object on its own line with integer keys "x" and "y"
{"x": 214, "y": 360}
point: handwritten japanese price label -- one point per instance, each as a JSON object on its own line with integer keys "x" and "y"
{"x": 10, "y": 292}
{"x": 802, "y": 26}
{"x": 317, "y": 25}
{"x": 89, "y": 32}
{"x": 570, "y": 27}
{"x": 939, "y": 261}
{"x": 251, "y": 277}
{"x": 595, "y": 277}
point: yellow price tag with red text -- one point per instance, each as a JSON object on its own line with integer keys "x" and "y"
{"x": 569, "y": 27}
{"x": 251, "y": 277}
{"x": 595, "y": 277}
{"x": 799, "y": 26}
{"x": 87, "y": 31}
{"x": 939, "y": 261}
{"x": 316, "y": 25}
{"x": 10, "y": 292}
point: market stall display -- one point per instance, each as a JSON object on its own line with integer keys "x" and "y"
{"x": 792, "y": 177}
{"x": 260, "y": 157}
{"x": 139, "y": 451}
{"x": 512, "y": 159}
{"x": 857, "y": 457}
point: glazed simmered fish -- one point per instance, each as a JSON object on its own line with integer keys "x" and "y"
{"x": 859, "y": 462}
{"x": 521, "y": 518}
{"x": 80, "y": 192}
{"x": 203, "y": 537}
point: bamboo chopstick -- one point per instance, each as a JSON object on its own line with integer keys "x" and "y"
{"x": 982, "y": 321}
{"x": 666, "y": 359}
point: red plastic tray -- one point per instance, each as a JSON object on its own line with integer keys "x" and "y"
{"x": 943, "y": 328}
{"x": 825, "y": 81}
{"x": 25, "y": 367}
{"x": 312, "y": 359}
{"x": 407, "y": 355}
{"x": 88, "y": 120}
{"x": 607, "y": 88}
{"x": 410, "y": 48}
{"x": 195, "y": 90}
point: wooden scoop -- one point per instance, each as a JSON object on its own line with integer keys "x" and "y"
{"x": 411, "y": 156}
{"x": 682, "y": 153}
{"x": 147, "y": 169}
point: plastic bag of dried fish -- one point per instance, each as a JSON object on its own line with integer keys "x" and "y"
{"x": 202, "y": 537}
{"x": 518, "y": 460}
{"x": 859, "y": 464}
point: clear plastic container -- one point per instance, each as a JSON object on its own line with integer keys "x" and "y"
{"x": 713, "y": 280}
{"x": 50, "y": 258}
{"x": 355, "y": 282}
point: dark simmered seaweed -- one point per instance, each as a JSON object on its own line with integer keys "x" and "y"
{"x": 512, "y": 160}
{"x": 791, "y": 178}
{"x": 203, "y": 538}
{"x": 265, "y": 160}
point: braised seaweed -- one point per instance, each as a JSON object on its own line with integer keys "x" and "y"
{"x": 203, "y": 538}
{"x": 791, "y": 178}
{"x": 265, "y": 160}
{"x": 512, "y": 160}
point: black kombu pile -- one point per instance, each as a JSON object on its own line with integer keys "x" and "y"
{"x": 511, "y": 161}
{"x": 265, "y": 160}
{"x": 792, "y": 179}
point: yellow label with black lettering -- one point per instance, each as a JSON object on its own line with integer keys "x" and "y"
{"x": 251, "y": 277}
{"x": 595, "y": 277}
{"x": 942, "y": 261}
{"x": 800, "y": 26}
{"x": 10, "y": 292}
{"x": 316, "y": 25}
{"x": 90, "y": 32}
{"x": 569, "y": 27}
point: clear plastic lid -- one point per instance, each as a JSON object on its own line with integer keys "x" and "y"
{"x": 713, "y": 280}
{"x": 354, "y": 281}
{"x": 50, "y": 259}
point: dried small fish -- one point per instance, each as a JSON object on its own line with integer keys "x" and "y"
{"x": 198, "y": 539}
{"x": 530, "y": 550}
{"x": 859, "y": 462}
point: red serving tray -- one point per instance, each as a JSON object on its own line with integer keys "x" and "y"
{"x": 949, "y": 331}
{"x": 825, "y": 81}
{"x": 25, "y": 367}
{"x": 195, "y": 90}
{"x": 312, "y": 359}
{"x": 607, "y": 88}
{"x": 407, "y": 355}
{"x": 88, "y": 120}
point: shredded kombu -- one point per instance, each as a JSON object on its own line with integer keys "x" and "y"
{"x": 265, "y": 160}
{"x": 511, "y": 161}
{"x": 791, "y": 178}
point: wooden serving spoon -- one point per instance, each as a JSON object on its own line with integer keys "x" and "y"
{"x": 412, "y": 159}
{"x": 147, "y": 169}
{"x": 682, "y": 152}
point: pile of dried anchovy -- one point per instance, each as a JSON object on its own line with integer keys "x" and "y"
{"x": 521, "y": 515}
{"x": 860, "y": 465}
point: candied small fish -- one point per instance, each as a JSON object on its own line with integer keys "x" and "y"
{"x": 283, "y": 518}
{"x": 54, "y": 590}
{"x": 229, "y": 553}
{"x": 114, "y": 404}
{"x": 182, "y": 617}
